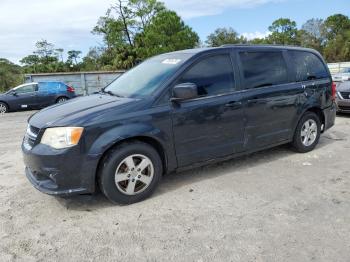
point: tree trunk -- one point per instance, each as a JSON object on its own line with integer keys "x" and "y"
{"x": 125, "y": 24}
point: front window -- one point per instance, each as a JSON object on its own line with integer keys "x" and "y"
{"x": 212, "y": 75}
{"x": 25, "y": 89}
{"x": 144, "y": 79}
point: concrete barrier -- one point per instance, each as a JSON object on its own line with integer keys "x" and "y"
{"x": 336, "y": 67}
{"x": 83, "y": 82}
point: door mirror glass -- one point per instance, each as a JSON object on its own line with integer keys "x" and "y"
{"x": 185, "y": 91}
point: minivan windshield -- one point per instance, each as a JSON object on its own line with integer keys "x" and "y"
{"x": 144, "y": 79}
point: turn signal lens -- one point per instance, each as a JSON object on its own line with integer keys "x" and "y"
{"x": 62, "y": 137}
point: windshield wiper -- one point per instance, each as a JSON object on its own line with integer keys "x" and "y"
{"x": 110, "y": 93}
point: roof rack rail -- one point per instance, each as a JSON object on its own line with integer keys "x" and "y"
{"x": 228, "y": 45}
{"x": 267, "y": 45}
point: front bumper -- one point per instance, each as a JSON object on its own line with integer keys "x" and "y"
{"x": 60, "y": 172}
{"x": 48, "y": 186}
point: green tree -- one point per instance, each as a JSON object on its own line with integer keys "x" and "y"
{"x": 31, "y": 63}
{"x": 165, "y": 33}
{"x": 223, "y": 36}
{"x": 45, "y": 51}
{"x": 336, "y": 25}
{"x": 312, "y": 34}
{"x": 44, "y": 59}
{"x": 92, "y": 60}
{"x": 59, "y": 53}
{"x": 337, "y": 31}
{"x": 314, "y": 27}
{"x": 283, "y": 31}
{"x": 10, "y": 75}
{"x": 73, "y": 56}
{"x": 123, "y": 24}
{"x": 259, "y": 41}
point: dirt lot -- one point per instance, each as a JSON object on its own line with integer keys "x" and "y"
{"x": 275, "y": 205}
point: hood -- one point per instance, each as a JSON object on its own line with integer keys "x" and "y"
{"x": 78, "y": 111}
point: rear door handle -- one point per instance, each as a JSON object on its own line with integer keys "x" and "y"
{"x": 313, "y": 85}
{"x": 234, "y": 104}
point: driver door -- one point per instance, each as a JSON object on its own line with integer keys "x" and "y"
{"x": 26, "y": 96}
{"x": 211, "y": 125}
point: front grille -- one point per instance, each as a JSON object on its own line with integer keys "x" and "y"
{"x": 345, "y": 95}
{"x": 30, "y": 137}
{"x": 345, "y": 108}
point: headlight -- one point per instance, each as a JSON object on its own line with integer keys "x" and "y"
{"x": 62, "y": 137}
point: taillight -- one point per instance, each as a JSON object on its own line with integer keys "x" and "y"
{"x": 334, "y": 90}
{"x": 70, "y": 89}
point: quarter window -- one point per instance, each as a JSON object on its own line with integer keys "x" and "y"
{"x": 263, "y": 69}
{"x": 212, "y": 75}
{"x": 307, "y": 66}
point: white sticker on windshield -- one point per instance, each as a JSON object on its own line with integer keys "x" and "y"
{"x": 172, "y": 61}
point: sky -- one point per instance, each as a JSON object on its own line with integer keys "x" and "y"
{"x": 68, "y": 23}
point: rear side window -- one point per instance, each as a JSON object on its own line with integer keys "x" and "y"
{"x": 263, "y": 69}
{"x": 307, "y": 66}
{"x": 61, "y": 86}
{"x": 49, "y": 87}
{"x": 212, "y": 75}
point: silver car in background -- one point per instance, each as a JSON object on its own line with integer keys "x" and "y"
{"x": 343, "y": 75}
{"x": 343, "y": 97}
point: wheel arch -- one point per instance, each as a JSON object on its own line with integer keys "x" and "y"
{"x": 7, "y": 104}
{"x": 318, "y": 111}
{"x": 315, "y": 109}
{"x": 155, "y": 143}
{"x": 61, "y": 96}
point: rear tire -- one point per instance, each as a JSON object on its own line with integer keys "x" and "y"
{"x": 307, "y": 133}
{"x": 61, "y": 99}
{"x": 121, "y": 179}
{"x": 3, "y": 108}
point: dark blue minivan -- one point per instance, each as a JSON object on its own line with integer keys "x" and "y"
{"x": 35, "y": 96}
{"x": 176, "y": 111}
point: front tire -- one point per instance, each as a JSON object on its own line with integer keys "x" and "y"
{"x": 3, "y": 108}
{"x": 307, "y": 133}
{"x": 130, "y": 172}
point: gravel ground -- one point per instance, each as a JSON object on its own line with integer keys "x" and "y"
{"x": 274, "y": 205}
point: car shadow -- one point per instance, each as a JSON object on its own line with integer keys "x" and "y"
{"x": 343, "y": 115}
{"x": 176, "y": 180}
{"x": 20, "y": 111}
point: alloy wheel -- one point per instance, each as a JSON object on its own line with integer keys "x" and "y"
{"x": 61, "y": 100}
{"x": 134, "y": 174}
{"x": 3, "y": 108}
{"x": 309, "y": 132}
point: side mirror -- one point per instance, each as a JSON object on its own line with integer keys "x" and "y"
{"x": 14, "y": 93}
{"x": 184, "y": 91}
